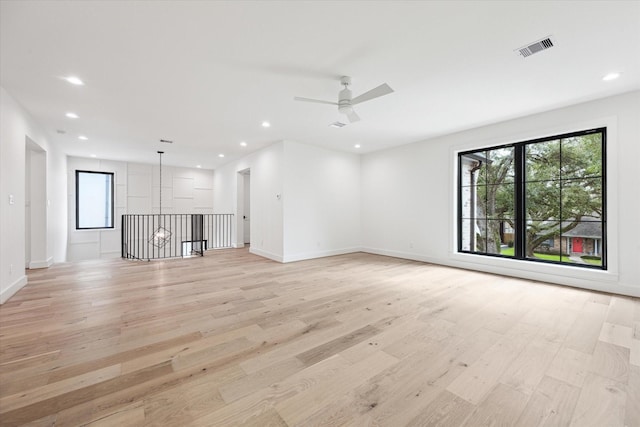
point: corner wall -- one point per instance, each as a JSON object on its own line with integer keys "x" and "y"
{"x": 321, "y": 202}
{"x": 305, "y": 201}
{"x": 408, "y": 195}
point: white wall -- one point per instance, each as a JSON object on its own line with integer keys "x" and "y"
{"x": 184, "y": 190}
{"x": 16, "y": 127}
{"x": 266, "y": 167}
{"x": 321, "y": 202}
{"x": 408, "y": 195}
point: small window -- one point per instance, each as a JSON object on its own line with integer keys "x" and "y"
{"x": 94, "y": 200}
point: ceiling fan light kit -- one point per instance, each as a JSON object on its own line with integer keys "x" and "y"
{"x": 346, "y": 101}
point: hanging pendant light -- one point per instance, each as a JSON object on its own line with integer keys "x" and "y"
{"x": 161, "y": 236}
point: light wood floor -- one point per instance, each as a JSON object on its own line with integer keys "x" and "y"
{"x": 234, "y": 339}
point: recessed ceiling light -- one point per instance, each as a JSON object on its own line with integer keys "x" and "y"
{"x": 243, "y": 144}
{"x": 611, "y": 76}
{"x": 357, "y": 146}
{"x": 72, "y": 115}
{"x": 198, "y": 166}
{"x": 82, "y": 137}
{"x": 220, "y": 155}
{"x": 266, "y": 124}
{"x": 93, "y": 155}
{"x": 74, "y": 80}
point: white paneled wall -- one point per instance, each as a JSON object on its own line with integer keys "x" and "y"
{"x": 137, "y": 191}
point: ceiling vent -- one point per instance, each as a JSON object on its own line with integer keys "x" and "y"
{"x": 337, "y": 125}
{"x": 535, "y": 47}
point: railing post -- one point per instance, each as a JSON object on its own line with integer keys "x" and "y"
{"x": 201, "y": 231}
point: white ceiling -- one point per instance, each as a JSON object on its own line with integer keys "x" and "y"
{"x": 206, "y": 74}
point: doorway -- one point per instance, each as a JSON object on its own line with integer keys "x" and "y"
{"x": 35, "y": 212}
{"x": 27, "y": 206}
{"x": 244, "y": 211}
{"x": 577, "y": 244}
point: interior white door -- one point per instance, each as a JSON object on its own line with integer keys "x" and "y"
{"x": 247, "y": 209}
{"x": 27, "y": 208}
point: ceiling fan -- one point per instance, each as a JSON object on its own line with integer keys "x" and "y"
{"x": 346, "y": 102}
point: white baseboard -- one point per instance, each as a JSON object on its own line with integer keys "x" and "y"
{"x": 110, "y": 255}
{"x": 399, "y": 254}
{"x": 41, "y": 264}
{"x": 593, "y": 280}
{"x": 303, "y": 256}
{"x": 265, "y": 254}
{"x": 320, "y": 254}
{"x": 12, "y": 289}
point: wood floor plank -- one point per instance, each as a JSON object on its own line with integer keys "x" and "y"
{"x": 261, "y": 379}
{"x": 632, "y": 409}
{"x": 482, "y": 376}
{"x": 77, "y": 396}
{"x": 455, "y": 358}
{"x": 616, "y": 334}
{"x": 262, "y": 400}
{"x": 602, "y": 402}
{"x": 552, "y": 404}
{"x": 502, "y": 407}
{"x": 51, "y": 391}
{"x": 586, "y": 329}
{"x": 446, "y": 410}
{"x": 634, "y": 352}
{"x": 130, "y": 416}
{"x": 570, "y": 366}
{"x": 335, "y": 346}
{"x": 183, "y": 404}
{"x": 357, "y": 339}
{"x": 610, "y": 361}
{"x": 397, "y": 395}
{"x": 621, "y": 311}
{"x": 296, "y": 409}
{"x": 527, "y": 370}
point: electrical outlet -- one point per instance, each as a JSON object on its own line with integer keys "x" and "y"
{"x": 11, "y": 199}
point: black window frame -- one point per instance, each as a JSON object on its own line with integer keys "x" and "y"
{"x": 77, "y": 175}
{"x": 520, "y": 199}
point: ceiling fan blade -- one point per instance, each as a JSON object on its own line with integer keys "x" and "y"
{"x": 381, "y": 90}
{"x": 352, "y": 116}
{"x": 318, "y": 101}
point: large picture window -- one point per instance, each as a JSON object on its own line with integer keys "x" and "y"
{"x": 541, "y": 200}
{"x": 94, "y": 200}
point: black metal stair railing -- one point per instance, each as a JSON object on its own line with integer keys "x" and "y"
{"x": 157, "y": 236}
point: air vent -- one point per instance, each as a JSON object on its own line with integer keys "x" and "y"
{"x": 535, "y": 47}
{"x": 337, "y": 125}
{"x": 166, "y": 141}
